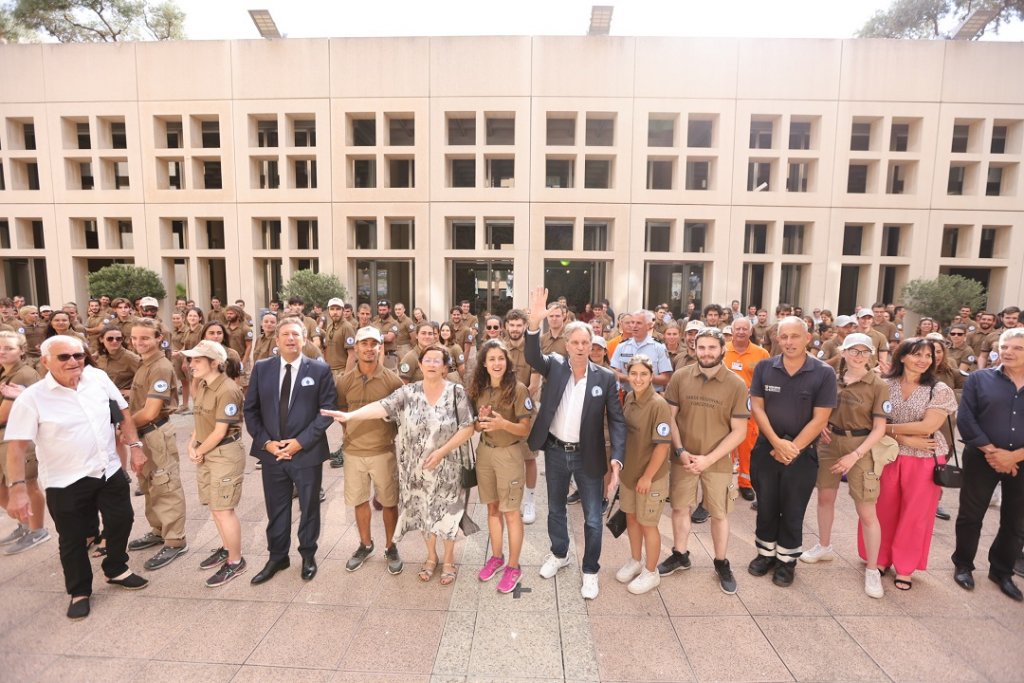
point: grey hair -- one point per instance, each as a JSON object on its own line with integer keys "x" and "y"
{"x": 578, "y": 325}
{"x": 1009, "y": 334}
{"x": 645, "y": 314}
{"x": 44, "y": 348}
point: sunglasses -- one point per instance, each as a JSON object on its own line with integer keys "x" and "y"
{"x": 65, "y": 357}
{"x": 493, "y": 327}
{"x": 956, "y": 334}
{"x": 117, "y": 339}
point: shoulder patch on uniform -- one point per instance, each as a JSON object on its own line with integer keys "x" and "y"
{"x": 317, "y": 333}
{"x": 528, "y": 403}
{"x": 821, "y": 354}
{"x": 164, "y": 344}
{"x": 273, "y": 351}
{"x": 231, "y": 410}
{"x": 971, "y": 359}
{"x": 817, "y": 343}
{"x": 596, "y": 391}
{"x": 462, "y": 358}
{"x": 248, "y": 335}
{"x": 21, "y": 330}
{"x": 993, "y": 356}
{"x": 663, "y": 429}
{"x": 469, "y": 337}
{"x": 887, "y": 407}
{"x": 404, "y": 367}
{"x": 971, "y": 328}
{"x": 350, "y": 340}
{"x": 160, "y": 386}
{"x": 897, "y": 335}
{"x": 307, "y": 382}
{"x": 394, "y": 328}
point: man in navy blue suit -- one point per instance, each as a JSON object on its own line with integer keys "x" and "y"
{"x": 577, "y": 398}
{"x": 282, "y": 414}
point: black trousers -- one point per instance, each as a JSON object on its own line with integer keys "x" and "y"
{"x": 74, "y": 509}
{"x": 783, "y": 492}
{"x": 978, "y": 484}
{"x": 279, "y": 478}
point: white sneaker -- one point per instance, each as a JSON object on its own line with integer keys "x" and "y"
{"x": 818, "y": 553}
{"x": 629, "y": 571}
{"x": 590, "y": 588}
{"x": 873, "y": 583}
{"x": 552, "y": 564}
{"x": 529, "y": 512}
{"x": 646, "y": 581}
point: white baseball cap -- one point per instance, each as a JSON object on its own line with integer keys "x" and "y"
{"x": 858, "y": 339}
{"x": 336, "y": 302}
{"x": 369, "y": 333}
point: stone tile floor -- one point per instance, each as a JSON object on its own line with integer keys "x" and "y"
{"x": 370, "y": 626}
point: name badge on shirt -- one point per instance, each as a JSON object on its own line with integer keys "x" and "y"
{"x": 772, "y": 389}
{"x": 307, "y": 382}
{"x": 596, "y": 391}
{"x": 737, "y": 366}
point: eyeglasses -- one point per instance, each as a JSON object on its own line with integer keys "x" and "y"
{"x": 117, "y": 339}
{"x": 956, "y": 334}
{"x": 493, "y": 327}
{"x": 432, "y": 361}
{"x": 859, "y": 352}
{"x": 65, "y": 357}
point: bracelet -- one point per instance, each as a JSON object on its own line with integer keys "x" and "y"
{"x": 15, "y": 483}
{"x": 135, "y": 444}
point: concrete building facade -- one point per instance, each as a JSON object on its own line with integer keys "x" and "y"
{"x": 428, "y": 170}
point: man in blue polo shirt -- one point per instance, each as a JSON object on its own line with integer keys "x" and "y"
{"x": 791, "y": 397}
{"x": 641, "y": 341}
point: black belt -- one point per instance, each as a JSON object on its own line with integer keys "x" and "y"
{"x": 494, "y": 445}
{"x": 225, "y": 441}
{"x": 563, "y": 445}
{"x": 155, "y": 424}
{"x": 848, "y": 432}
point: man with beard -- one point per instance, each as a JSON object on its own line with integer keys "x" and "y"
{"x": 761, "y": 327}
{"x": 239, "y": 335}
{"x": 216, "y": 313}
{"x": 709, "y": 420}
{"x": 95, "y": 321}
{"x": 984, "y": 338}
{"x": 515, "y": 341}
{"x": 339, "y": 347}
{"x": 388, "y": 327}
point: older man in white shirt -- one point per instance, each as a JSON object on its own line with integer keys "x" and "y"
{"x": 69, "y": 416}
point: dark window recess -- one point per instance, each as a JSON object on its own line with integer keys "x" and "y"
{"x": 211, "y": 134}
{"x": 961, "y": 134}
{"x": 697, "y": 175}
{"x": 853, "y": 237}
{"x": 502, "y": 172}
{"x": 558, "y": 172}
{"x": 600, "y": 132}
{"x": 3, "y": 181}
{"x": 29, "y": 132}
{"x": 5, "y": 235}
{"x": 461, "y": 131}
{"x": 500, "y": 234}
{"x": 561, "y": 131}
{"x": 364, "y": 173}
{"x": 994, "y": 183}
{"x": 91, "y": 235}
{"x": 793, "y": 238}
{"x": 305, "y": 173}
{"x": 39, "y": 240}
{"x": 85, "y": 169}
{"x": 124, "y": 235}
{"x": 756, "y": 239}
{"x": 897, "y": 179}
{"x": 597, "y": 173}
{"x": 305, "y": 133}
{"x": 269, "y": 178}
{"x": 987, "y": 246}
{"x": 857, "y": 180}
{"x": 891, "y": 240}
{"x": 118, "y": 136}
{"x": 308, "y": 236}
{"x": 860, "y": 137}
{"x": 955, "y": 184}
{"x": 463, "y": 235}
{"x": 178, "y": 235}
{"x": 463, "y": 173}
{"x": 998, "y": 140}
{"x": 174, "y": 135}
{"x": 401, "y": 132}
{"x": 799, "y": 134}
{"x": 32, "y": 171}
{"x": 82, "y": 132}
{"x": 760, "y": 135}
{"x": 661, "y": 132}
{"x": 214, "y": 234}
{"x": 401, "y": 235}
{"x": 595, "y": 236}
{"x": 501, "y": 130}
{"x": 950, "y": 242}
{"x": 366, "y": 234}
{"x": 558, "y": 236}
{"x": 695, "y": 236}
{"x": 659, "y": 174}
{"x": 271, "y": 234}
{"x": 212, "y": 176}
{"x": 266, "y": 133}
{"x": 364, "y": 132}
{"x": 658, "y": 236}
{"x": 900, "y": 137}
{"x": 759, "y": 176}
{"x": 402, "y": 172}
{"x": 796, "y": 181}
{"x": 698, "y": 133}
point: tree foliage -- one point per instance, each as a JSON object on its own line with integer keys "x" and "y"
{"x": 942, "y": 297}
{"x": 924, "y": 19}
{"x": 124, "y": 280}
{"x": 99, "y": 21}
{"x": 314, "y": 288}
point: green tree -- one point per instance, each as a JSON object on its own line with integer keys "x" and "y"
{"x": 314, "y": 288}
{"x": 127, "y": 281}
{"x": 942, "y": 297}
{"x": 100, "y": 21}
{"x": 926, "y": 19}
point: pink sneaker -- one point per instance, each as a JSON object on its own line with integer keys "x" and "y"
{"x": 509, "y": 580}
{"x": 491, "y": 568}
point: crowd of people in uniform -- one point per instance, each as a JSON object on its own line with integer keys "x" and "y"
{"x": 637, "y": 411}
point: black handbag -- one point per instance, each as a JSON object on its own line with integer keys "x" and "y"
{"x": 616, "y": 522}
{"x": 950, "y": 475}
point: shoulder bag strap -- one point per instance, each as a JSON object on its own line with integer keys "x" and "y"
{"x": 952, "y": 437}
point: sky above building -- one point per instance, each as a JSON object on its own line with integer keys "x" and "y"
{"x": 229, "y": 19}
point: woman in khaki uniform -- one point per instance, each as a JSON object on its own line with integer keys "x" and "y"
{"x": 216, "y": 449}
{"x": 116, "y": 360}
{"x": 264, "y": 345}
{"x": 856, "y": 425}
{"x": 215, "y": 331}
{"x": 503, "y": 409}
{"x": 456, "y": 358}
{"x": 409, "y": 369}
{"x": 643, "y": 483}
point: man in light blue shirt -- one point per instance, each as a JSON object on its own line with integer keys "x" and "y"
{"x": 641, "y": 341}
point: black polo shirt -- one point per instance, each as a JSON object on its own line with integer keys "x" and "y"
{"x": 790, "y": 400}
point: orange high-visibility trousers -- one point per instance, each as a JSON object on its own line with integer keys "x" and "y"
{"x": 743, "y": 450}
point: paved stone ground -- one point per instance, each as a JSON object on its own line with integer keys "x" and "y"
{"x": 370, "y": 626}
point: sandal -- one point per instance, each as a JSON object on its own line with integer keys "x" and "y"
{"x": 903, "y": 584}
{"x": 449, "y": 573}
{"x": 427, "y": 571}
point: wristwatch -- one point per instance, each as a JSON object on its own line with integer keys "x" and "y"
{"x": 135, "y": 444}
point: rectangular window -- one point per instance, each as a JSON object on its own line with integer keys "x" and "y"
{"x": 955, "y": 184}
{"x": 658, "y": 236}
{"x": 661, "y": 132}
{"x": 790, "y": 281}
{"x": 28, "y": 131}
{"x": 125, "y": 238}
{"x": 173, "y": 134}
{"x": 179, "y": 235}
{"x": 899, "y": 137}
{"x": 800, "y": 135}
{"x": 695, "y": 237}
{"x": 699, "y": 133}
{"x": 961, "y": 134}
{"x": 268, "y": 176}
{"x": 364, "y": 132}
{"x": 212, "y": 175}
{"x": 857, "y": 180}
{"x": 501, "y": 172}
{"x": 266, "y": 133}
{"x": 210, "y": 133}
{"x": 364, "y": 173}
{"x": 891, "y": 240}
{"x": 987, "y": 246}
{"x": 759, "y": 176}
{"x": 5, "y": 235}
{"x": 950, "y": 242}
{"x": 90, "y": 234}
{"x": 401, "y": 234}
{"x": 698, "y": 174}
{"x": 461, "y": 130}
{"x": 659, "y": 174}
{"x": 462, "y": 173}
{"x": 793, "y": 240}
{"x": 501, "y": 129}
{"x": 600, "y": 130}
{"x": 853, "y": 238}
{"x": 270, "y": 232}
{"x": 994, "y": 183}
{"x": 597, "y": 173}
{"x": 756, "y": 239}
{"x": 596, "y": 235}
{"x": 760, "y": 134}
{"x": 998, "y": 140}
{"x": 365, "y": 234}
{"x": 559, "y": 172}
{"x": 121, "y": 181}
{"x": 214, "y": 234}
{"x": 401, "y": 173}
{"x": 305, "y": 174}
{"x": 3, "y": 181}
{"x": 860, "y": 137}
{"x": 32, "y": 174}
{"x": 500, "y": 234}
{"x": 799, "y": 172}
{"x": 558, "y": 236}
{"x": 38, "y": 236}
{"x": 311, "y": 264}
{"x": 305, "y": 133}
{"x": 561, "y": 130}
{"x": 401, "y": 131}
{"x": 82, "y": 134}
{"x": 118, "y": 136}
{"x": 307, "y": 234}
{"x": 85, "y": 169}
{"x": 896, "y": 180}
{"x": 463, "y": 235}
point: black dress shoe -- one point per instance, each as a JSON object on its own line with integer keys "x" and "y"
{"x": 963, "y": 578}
{"x": 747, "y": 493}
{"x": 269, "y": 569}
{"x": 78, "y": 610}
{"x": 1008, "y": 587}
{"x": 941, "y": 513}
{"x": 308, "y": 568}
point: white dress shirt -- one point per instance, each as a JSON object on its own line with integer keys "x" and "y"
{"x": 70, "y": 427}
{"x": 569, "y": 414}
{"x": 295, "y": 376}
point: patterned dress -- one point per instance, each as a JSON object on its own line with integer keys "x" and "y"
{"x": 428, "y": 499}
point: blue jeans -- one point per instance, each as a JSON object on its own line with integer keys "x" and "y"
{"x": 559, "y": 468}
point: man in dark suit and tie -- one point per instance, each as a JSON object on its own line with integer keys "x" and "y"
{"x": 282, "y": 413}
{"x": 578, "y": 396}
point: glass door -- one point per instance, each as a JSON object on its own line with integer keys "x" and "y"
{"x": 486, "y": 284}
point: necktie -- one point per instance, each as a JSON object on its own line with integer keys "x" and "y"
{"x": 286, "y": 393}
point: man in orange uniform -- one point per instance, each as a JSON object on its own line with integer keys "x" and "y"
{"x": 741, "y": 355}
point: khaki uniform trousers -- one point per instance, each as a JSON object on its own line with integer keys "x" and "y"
{"x": 160, "y": 482}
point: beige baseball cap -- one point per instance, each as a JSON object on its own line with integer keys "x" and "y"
{"x": 207, "y": 349}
